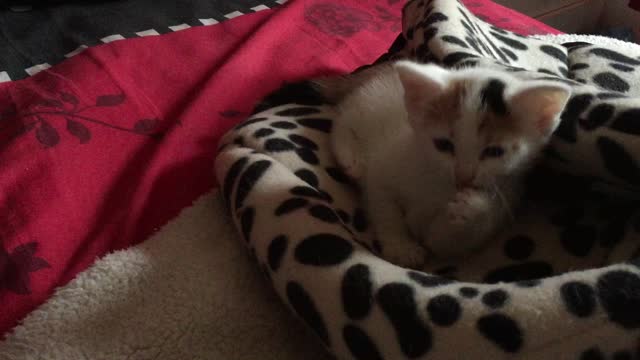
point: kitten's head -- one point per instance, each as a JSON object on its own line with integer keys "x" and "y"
{"x": 480, "y": 125}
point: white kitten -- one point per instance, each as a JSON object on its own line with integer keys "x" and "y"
{"x": 440, "y": 154}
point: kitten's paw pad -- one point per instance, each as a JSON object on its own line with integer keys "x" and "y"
{"x": 409, "y": 255}
{"x": 467, "y": 205}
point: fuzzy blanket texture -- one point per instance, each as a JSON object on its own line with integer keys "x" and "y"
{"x": 563, "y": 282}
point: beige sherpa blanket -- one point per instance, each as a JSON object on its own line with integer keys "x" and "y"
{"x": 188, "y": 292}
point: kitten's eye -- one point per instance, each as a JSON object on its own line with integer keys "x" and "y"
{"x": 492, "y": 152}
{"x": 444, "y": 145}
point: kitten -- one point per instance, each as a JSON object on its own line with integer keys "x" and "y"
{"x": 440, "y": 154}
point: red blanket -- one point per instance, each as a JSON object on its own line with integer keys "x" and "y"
{"x": 100, "y": 151}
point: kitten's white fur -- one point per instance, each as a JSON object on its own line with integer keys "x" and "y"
{"x": 383, "y": 138}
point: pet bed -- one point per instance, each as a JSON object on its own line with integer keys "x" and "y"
{"x": 563, "y": 282}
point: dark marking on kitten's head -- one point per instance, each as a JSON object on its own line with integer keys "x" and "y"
{"x": 493, "y": 97}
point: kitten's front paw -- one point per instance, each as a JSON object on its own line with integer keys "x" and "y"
{"x": 467, "y": 205}
{"x": 405, "y": 253}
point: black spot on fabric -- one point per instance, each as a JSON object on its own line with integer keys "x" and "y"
{"x": 249, "y": 121}
{"x": 546, "y": 71}
{"x": 499, "y": 30}
{"x": 246, "y": 222}
{"x": 468, "y": 27}
{"x": 357, "y": 295}
{"x": 302, "y": 93}
{"x": 519, "y": 247}
{"x": 444, "y": 310}
{"x": 249, "y": 178}
{"x": 455, "y": 57}
{"x": 307, "y": 155}
{"x": 510, "y": 42}
{"x": 410, "y": 34}
{"x": 608, "y": 95}
{"x": 623, "y": 68}
{"x": 628, "y": 122}
{"x": 554, "y": 52}
{"x": 473, "y": 44}
{"x": 468, "y": 292}
{"x": 575, "y": 45}
{"x": 344, "y": 216}
{"x": 319, "y": 124}
{"x": 298, "y": 111}
{"x": 275, "y": 252}
{"x": 615, "y": 56}
{"x": 290, "y": 205}
{"x": 593, "y": 353}
{"x": 528, "y": 283}
{"x": 323, "y": 250}
{"x": 568, "y": 216}
{"x": 466, "y": 64}
{"x": 579, "y": 298}
{"x": 578, "y": 66}
{"x": 303, "y": 305}
{"x": 611, "y": 81}
{"x": 230, "y": 179}
{"x": 325, "y": 196}
{"x": 598, "y": 116}
{"x": 622, "y": 355}
{"x": 338, "y": 175}
{"x": 397, "y": 302}
{"x": 454, "y": 40}
{"x": 581, "y": 81}
{"x": 578, "y": 240}
{"x": 360, "y": 344}
{"x": 619, "y": 294}
{"x": 239, "y": 141}
{"x": 618, "y": 161}
{"x": 567, "y": 130}
{"x": 260, "y": 133}
{"x": 360, "y": 222}
{"x": 563, "y": 71}
{"x": 306, "y": 192}
{"x": 434, "y": 18}
{"x": 428, "y": 280}
{"x": 303, "y": 141}
{"x": 509, "y": 53}
{"x": 495, "y": 48}
{"x": 278, "y": 145}
{"x": 429, "y": 34}
{"x": 324, "y": 213}
{"x": 308, "y": 176}
{"x": 502, "y": 331}
{"x": 495, "y": 299}
{"x": 518, "y": 272}
{"x": 493, "y": 97}
{"x": 283, "y": 125}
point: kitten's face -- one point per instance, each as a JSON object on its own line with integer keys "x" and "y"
{"x": 474, "y": 127}
{"x": 475, "y": 152}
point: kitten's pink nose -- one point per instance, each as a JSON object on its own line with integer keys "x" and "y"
{"x": 464, "y": 178}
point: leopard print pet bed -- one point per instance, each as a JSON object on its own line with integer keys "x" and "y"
{"x": 562, "y": 283}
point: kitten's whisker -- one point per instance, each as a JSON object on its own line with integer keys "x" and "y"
{"x": 503, "y": 199}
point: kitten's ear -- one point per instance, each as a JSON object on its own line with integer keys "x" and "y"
{"x": 422, "y": 83}
{"x": 540, "y": 104}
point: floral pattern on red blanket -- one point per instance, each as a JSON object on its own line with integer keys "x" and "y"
{"x": 46, "y": 114}
{"x": 16, "y": 266}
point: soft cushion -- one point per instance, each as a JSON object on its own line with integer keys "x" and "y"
{"x": 560, "y": 283}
